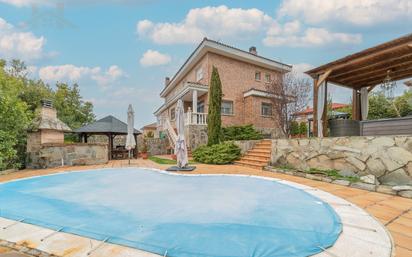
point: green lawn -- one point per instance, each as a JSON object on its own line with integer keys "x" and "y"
{"x": 159, "y": 160}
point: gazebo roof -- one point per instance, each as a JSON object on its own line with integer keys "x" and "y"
{"x": 108, "y": 124}
{"x": 370, "y": 66}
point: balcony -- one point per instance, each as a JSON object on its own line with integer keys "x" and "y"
{"x": 195, "y": 118}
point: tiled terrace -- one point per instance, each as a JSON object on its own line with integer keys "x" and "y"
{"x": 393, "y": 211}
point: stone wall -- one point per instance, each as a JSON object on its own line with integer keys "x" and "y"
{"x": 196, "y": 135}
{"x": 54, "y": 155}
{"x": 388, "y": 158}
{"x": 246, "y": 145}
{"x": 155, "y": 146}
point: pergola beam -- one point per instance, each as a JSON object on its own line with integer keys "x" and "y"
{"x": 378, "y": 74}
{"x": 323, "y": 77}
{"x": 383, "y": 63}
{"x": 394, "y": 76}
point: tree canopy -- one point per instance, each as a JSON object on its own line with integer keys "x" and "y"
{"x": 19, "y": 99}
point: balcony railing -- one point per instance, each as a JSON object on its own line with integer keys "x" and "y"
{"x": 196, "y": 118}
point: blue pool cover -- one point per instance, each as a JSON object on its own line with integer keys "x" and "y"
{"x": 186, "y": 216}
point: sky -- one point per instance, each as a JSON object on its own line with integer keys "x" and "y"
{"x": 119, "y": 52}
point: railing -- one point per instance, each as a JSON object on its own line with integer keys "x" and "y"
{"x": 195, "y": 118}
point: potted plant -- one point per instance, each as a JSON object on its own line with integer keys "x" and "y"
{"x": 144, "y": 153}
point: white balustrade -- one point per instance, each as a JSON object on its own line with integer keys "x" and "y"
{"x": 195, "y": 118}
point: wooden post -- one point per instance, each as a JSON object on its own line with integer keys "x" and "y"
{"x": 315, "y": 107}
{"x": 355, "y": 105}
{"x": 325, "y": 112}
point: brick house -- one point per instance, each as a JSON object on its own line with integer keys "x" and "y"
{"x": 244, "y": 76}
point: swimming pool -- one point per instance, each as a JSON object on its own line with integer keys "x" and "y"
{"x": 158, "y": 212}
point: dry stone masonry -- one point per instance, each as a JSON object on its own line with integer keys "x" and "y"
{"x": 380, "y": 160}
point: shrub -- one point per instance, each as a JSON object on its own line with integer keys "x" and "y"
{"x": 217, "y": 154}
{"x": 303, "y": 128}
{"x": 294, "y": 128}
{"x": 246, "y": 132}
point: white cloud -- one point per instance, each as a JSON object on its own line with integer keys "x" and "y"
{"x": 301, "y": 67}
{"x": 215, "y": 22}
{"x": 154, "y": 58}
{"x": 236, "y": 23}
{"x": 72, "y": 73}
{"x": 24, "y": 3}
{"x": 311, "y": 37}
{"x": 358, "y": 12}
{"x": 20, "y": 45}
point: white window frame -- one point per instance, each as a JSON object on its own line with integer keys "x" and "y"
{"x": 271, "y": 109}
{"x": 260, "y": 75}
{"x": 232, "y": 104}
{"x": 266, "y": 77}
{"x": 199, "y": 74}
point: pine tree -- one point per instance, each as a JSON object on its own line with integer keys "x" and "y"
{"x": 214, "y": 122}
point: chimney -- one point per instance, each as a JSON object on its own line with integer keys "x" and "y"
{"x": 167, "y": 81}
{"x": 252, "y": 50}
{"x": 47, "y": 110}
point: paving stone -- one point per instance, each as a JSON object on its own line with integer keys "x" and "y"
{"x": 385, "y": 189}
{"x": 364, "y": 186}
{"x": 341, "y": 182}
{"x": 402, "y": 188}
{"x": 407, "y": 194}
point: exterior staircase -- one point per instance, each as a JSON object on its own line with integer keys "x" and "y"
{"x": 257, "y": 157}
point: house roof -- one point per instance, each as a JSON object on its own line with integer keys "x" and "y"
{"x": 150, "y": 126}
{"x": 108, "y": 124}
{"x": 208, "y": 45}
{"x": 370, "y": 66}
{"x": 49, "y": 123}
{"x": 309, "y": 110}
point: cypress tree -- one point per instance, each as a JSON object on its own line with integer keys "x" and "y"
{"x": 214, "y": 122}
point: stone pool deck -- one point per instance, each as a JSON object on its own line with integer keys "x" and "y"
{"x": 392, "y": 211}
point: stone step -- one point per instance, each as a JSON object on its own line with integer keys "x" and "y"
{"x": 254, "y": 161}
{"x": 259, "y": 156}
{"x": 258, "y": 151}
{"x": 249, "y": 165}
{"x": 262, "y": 148}
{"x": 253, "y": 158}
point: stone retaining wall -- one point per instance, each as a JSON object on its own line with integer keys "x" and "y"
{"x": 388, "y": 158}
{"x": 54, "y": 155}
{"x": 155, "y": 146}
{"x": 246, "y": 145}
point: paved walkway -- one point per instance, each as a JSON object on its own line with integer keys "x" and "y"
{"x": 393, "y": 211}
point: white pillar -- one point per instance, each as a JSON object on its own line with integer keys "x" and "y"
{"x": 194, "y": 100}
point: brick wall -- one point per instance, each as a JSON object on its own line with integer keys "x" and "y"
{"x": 237, "y": 77}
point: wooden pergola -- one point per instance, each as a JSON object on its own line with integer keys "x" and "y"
{"x": 367, "y": 68}
{"x": 110, "y": 127}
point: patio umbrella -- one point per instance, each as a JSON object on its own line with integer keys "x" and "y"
{"x": 130, "y": 140}
{"x": 180, "y": 147}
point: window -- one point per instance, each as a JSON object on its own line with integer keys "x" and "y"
{"x": 257, "y": 75}
{"x": 201, "y": 107}
{"x": 227, "y": 107}
{"x": 199, "y": 74}
{"x": 172, "y": 114}
{"x": 266, "y": 109}
{"x": 267, "y": 78}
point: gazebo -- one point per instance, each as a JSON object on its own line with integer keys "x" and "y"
{"x": 361, "y": 72}
{"x": 110, "y": 127}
